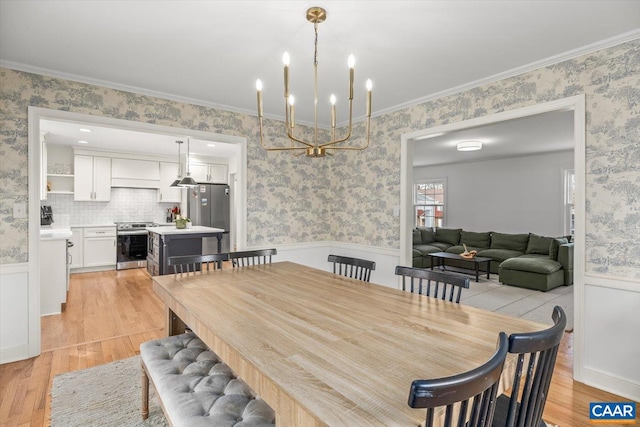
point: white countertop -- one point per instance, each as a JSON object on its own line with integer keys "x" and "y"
{"x": 196, "y": 229}
{"x": 55, "y": 233}
{"x": 109, "y": 224}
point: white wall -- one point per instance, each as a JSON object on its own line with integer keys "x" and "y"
{"x": 611, "y": 351}
{"x": 315, "y": 255}
{"x": 517, "y": 195}
{"x": 14, "y": 312}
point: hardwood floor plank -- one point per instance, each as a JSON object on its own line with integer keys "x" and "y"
{"x": 109, "y": 314}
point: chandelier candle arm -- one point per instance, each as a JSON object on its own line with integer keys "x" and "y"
{"x": 316, "y": 15}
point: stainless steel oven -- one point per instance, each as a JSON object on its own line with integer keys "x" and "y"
{"x": 132, "y": 244}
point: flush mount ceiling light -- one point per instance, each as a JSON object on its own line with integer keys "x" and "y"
{"x": 469, "y": 146}
{"x": 315, "y": 15}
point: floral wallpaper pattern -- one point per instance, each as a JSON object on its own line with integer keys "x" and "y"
{"x": 350, "y": 197}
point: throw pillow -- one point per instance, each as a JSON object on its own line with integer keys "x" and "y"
{"x": 514, "y": 242}
{"x": 555, "y": 245}
{"x": 427, "y": 235}
{"x": 475, "y": 240}
{"x": 448, "y": 235}
{"x": 538, "y": 244}
{"x": 417, "y": 237}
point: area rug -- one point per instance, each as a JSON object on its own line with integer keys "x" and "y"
{"x": 105, "y": 395}
{"x": 513, "y": 301}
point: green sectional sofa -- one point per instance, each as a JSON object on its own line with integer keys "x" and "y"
{"x": 524, "y": 260}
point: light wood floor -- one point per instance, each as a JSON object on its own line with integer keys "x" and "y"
{"x": 108, "y": 316}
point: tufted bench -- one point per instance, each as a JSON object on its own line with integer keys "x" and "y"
{"x": 196, "y": 388}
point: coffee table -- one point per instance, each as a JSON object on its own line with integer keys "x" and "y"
{"x": 440, "y": 257}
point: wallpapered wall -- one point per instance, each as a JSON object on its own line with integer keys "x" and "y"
{"x": 350, "y": 197}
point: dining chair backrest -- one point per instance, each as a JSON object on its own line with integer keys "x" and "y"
{"x": 192, "y": 263}
{"x": 355, "y": 268}
{"x": 537, "y": 353}
{"x": 468, "y": 398}
{"x": 445, "y": 286}
{"x": 247, "y": 258}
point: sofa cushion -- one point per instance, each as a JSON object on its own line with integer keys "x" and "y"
{"x": 477, "y": 240}
{"x": 499, "y": 254}
{"x": 426, "y": 249}
{"x": 427, "y": 235}
{"x": 448, "y": 235}
{"x": 538, "y": 244}
{"x": 555, "y": 244}
{"x": 531, "y": 264}
{"x": 514, "y": 242}
{"x": 417, "y": 237}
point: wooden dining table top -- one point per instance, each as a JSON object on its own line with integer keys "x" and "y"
{"x": 323, "y": 349}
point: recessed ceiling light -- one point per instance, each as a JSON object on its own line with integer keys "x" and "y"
{"x": 83, "y": 142}
{"x": 211, "y": 145}
{"x": 85, "y": 130}
{"x": 469, "y": 146}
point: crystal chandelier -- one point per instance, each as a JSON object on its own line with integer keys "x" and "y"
{"x": 315, "y": 15}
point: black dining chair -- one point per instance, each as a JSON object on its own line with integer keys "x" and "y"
{"x": 468, "y": 398}
{"x": 192, "y": 263}
{"x": 445, "y": 286}
{"x": 525, "y": 406}
{"x": 247, "y": 258}
{"x": 355, "y": 268}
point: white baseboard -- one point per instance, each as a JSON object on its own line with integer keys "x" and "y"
{"x": 612, "y": 384}
{"x": 13, "y": 354}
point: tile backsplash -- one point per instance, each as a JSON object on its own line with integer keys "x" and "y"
{"x": 126, "y": 204}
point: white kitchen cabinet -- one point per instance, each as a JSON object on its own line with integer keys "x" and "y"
{"x": 99, "y": 246}
{"x": 135, "y": 173}
{"x": 209, "y": 172}
{"x": 168, "y": 173}
{"x": 92, "y": 178}
{"x": 76, "y": 252}
{"x": 53, "y": 276}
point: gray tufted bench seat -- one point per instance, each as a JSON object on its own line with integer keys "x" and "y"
{"x": 196, "y": 388}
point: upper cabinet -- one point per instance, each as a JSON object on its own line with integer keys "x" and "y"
{"x": 209, "y": 173}
{"x": 135, "y": 173}
{"x": 92, "y": 178}
{"x": 56, "y": 170}
{"x": 168, "y": 173}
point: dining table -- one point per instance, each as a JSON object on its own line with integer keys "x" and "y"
{"x": 323, "y": 349}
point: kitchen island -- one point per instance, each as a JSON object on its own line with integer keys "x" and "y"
{"x": 165, "y": 242}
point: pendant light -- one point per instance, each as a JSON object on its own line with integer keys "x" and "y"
{"x": 177, "y": 181}
{"x": 187, "y": 181}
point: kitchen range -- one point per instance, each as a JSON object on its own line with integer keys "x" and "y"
{"x": 132, "y": 244}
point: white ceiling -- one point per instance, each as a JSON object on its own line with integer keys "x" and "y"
{"x": 211, "y": 52}
{"x": 121, "y": 140}
{"x": 540, "y": 133}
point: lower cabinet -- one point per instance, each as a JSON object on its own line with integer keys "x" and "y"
{"x": 53, "y": 276}
{"x": 94, "y": 248}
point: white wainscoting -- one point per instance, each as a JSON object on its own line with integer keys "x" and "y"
{"x": 611, "y": 348}
{"x": 314, "y": 254}
{"x": 14, "y": 312}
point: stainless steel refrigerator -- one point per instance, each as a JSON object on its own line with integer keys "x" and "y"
{"x": 209, "y": 206}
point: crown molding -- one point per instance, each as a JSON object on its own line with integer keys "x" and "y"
{"x": 602, "y": 44}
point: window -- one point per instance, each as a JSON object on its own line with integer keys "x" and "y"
{"x": 569, "y": 203}
{"x": 428, "y": 203}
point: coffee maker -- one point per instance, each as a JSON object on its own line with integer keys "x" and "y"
{"x": 46, "y": 215}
